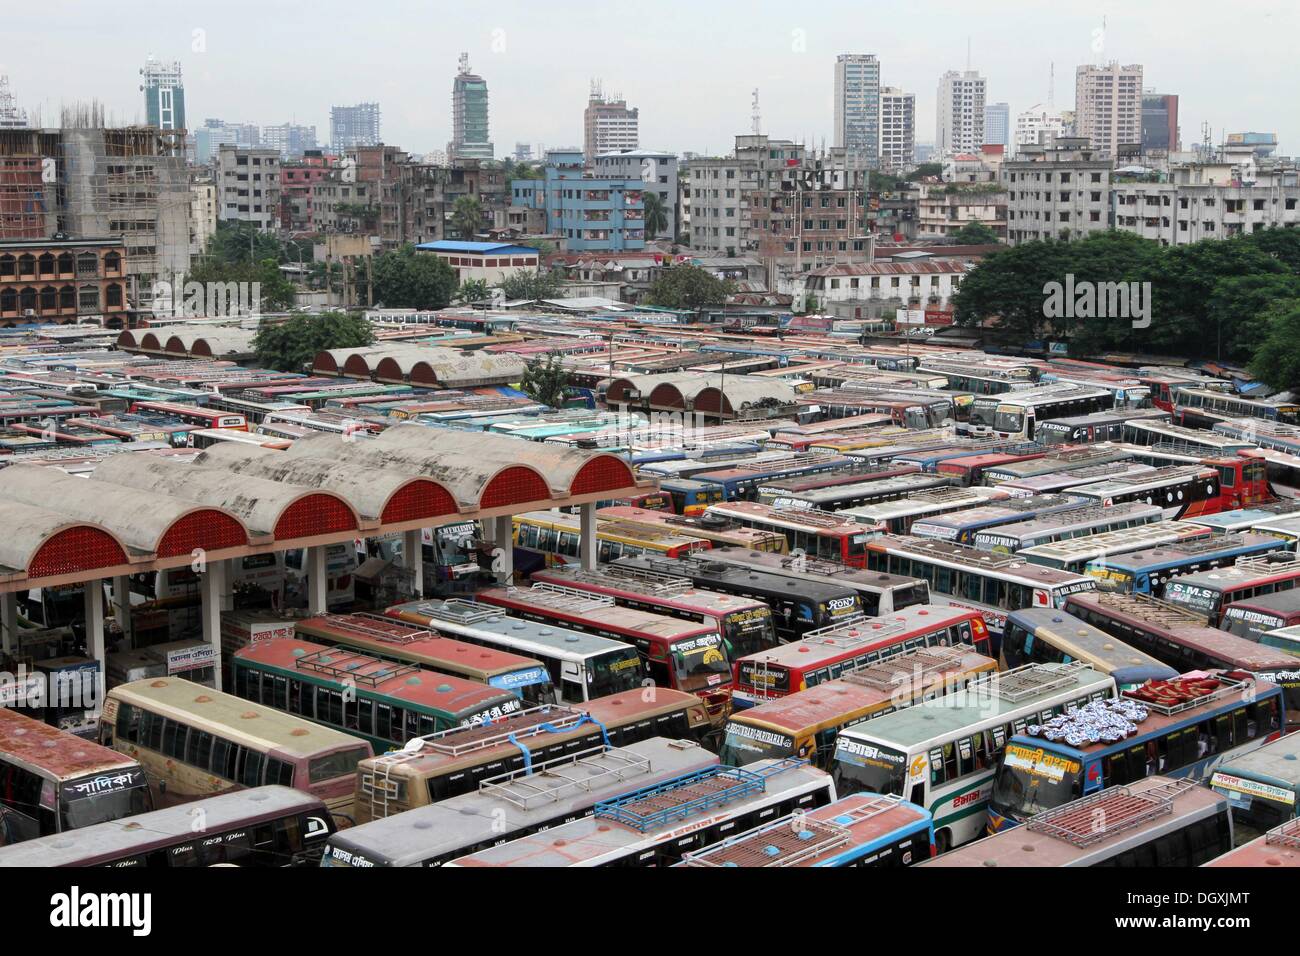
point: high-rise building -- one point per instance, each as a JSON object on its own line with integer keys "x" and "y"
{"x": 1058, "y": 191}
{"x": 997, "y": 124}
{"x": 608, "y": 125}
{"x": 11, "y": 115}
{"x": 897, "y": 128}
{"x": 1108, "y": 105}
{"x": 352, "y": 126}
{"x": 290, "y": 139}
{"x": 1040, "y": 125}
{"x": 469, "y": 115}
{"x": 248, "y": 186}
{"x": 164, "y": 94}
{"x": 857, "y": 106}
{"x": 1160, "y": 122}
{"x": 960, "y": 127}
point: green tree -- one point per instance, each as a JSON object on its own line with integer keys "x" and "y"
{"x": 291, "y": 345}
{"x": 406, "y": 279}
{"x": 656, "y": 218}
{"x": 473, "y": 290}
{"x": 467, "y": 217}
{"x": 545, "y": 381}
{"x": 531, "y": 285}
{"x": 922, "y": 171}
{"x": 689, "y": 287}
{"x": 1280, "y": 242}
{"x": 239, "y": 243}
{"x": 974, "y": 234}
{"x": 275, "y": 292}
{"x": 1238, "y": 311}
{"x": 1277, "y": 361}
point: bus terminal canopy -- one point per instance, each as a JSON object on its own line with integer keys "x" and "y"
{"x": 696, "y": 391}
{"x": 141, "y": 512}
{"x": 429, "y": 366}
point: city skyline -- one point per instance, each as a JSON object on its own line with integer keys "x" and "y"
{"x": 230, "y": 74}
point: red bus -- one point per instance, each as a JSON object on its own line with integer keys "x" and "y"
{"x": 969, "y": 469}
{"x": 688, "y": 656}
{"x": 1243, "y": 480}
{"x": 746, "y": 624}
{"x": 820, "y": 534}
{"x": 828, "y": 652}
{"x": 1207, "y": 593}
{"x": 1186, "y": 492}
{"x": 193, "y": 415}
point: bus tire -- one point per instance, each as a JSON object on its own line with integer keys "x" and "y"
{"x": 942, "y": 841}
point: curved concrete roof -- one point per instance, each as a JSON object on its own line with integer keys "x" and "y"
{"x": 428, "y": 365}
{"x": 267, "y": 507}
{"x": 39, "y": 543}
{"x": 150, "y": 524}
{"x": 685, "y": 391}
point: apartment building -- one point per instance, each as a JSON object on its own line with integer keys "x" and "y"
{"x": 248, "y": 184}
{"x": 1108, "y": 106}
{"x": 1057, "y": 192}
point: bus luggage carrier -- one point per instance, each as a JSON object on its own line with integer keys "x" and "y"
{"x": 909, "y": 668}
{"x": 653, "y": 807}
{"x": 562, "y": 777}
{"x": 379, "y": 628}
{"x": 1228, "y": 687}
{"x": 561, "y": 597}
{"x": 1021, "y": 683}
{"x": 792, "y": 840}
{"x": 457, "y": 611}
{"x": 635, "y": 579}
{"x": 1285, "y": 834}
{"x": 345, "y": 665}
{"x": 1113, "y": 810}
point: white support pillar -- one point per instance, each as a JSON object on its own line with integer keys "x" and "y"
{"x": 317, "y": 584}
{"x": 210, "y": 588}
{"x": 587, "y": 539}
{"x": 93, "y": 600}
{"x": 121, "y": 605}
{"x": 413, "y": 558}
{"x": 9, "y": 621}
{"x": 503, "y": 557}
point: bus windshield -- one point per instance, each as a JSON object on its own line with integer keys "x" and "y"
{"x": 1009, "y": 418}
{"x": 613, "y": 672}
{"x": 868, "y": 768}
{"x": 983, "y": 413}
{"x": 749, "y": 631}
{"x": 744, "y": 744}
{"x": 341, "y": 763}
{"x": 1032, "y": 780}
{"x": 103, "y": 797}
{"x": 698, "y": 660}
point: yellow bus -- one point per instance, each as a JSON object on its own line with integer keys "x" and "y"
{"x": 556, "y": 535}
{"x": 195, "y": 742}
{"x": 805, "y": 724}
{"x": 720, "y": 533}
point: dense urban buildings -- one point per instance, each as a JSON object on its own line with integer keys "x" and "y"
{"x": 858, "y": 106}
{"x": 1040, "y": 125}
{"x": 587, "y": 212}
{"x": 1160, "y": 122}
{"x": 960, "y": 108}
{"x": 354, "y": 126}
{"x": 1060, "y": 191}
{"x": 1108, "y": 106}
{"x": 608, "y": 125}
{"x": 248, "y": 184}
{"x": 997, "y": 124}
{"x": 61, "y": 280}
{"x": 470, "y": 138}
{"x": 656, "y": 170}
{"x": 290, "y": 139}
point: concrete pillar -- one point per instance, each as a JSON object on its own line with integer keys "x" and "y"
{"x": 121, "y": 605}
{"x": 587, "y": 537}
{"x": 503, "y": 558}
{"x": 210, "y": 588}
{"x": 93, "y": 599}
{"x": 317, "y": 584}
{"x": 413, "y": 558}
{"x": 225, "y": 572}
{"x": 9, "y": 621}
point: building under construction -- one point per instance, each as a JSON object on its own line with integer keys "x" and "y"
{"x": 86, "y": 179}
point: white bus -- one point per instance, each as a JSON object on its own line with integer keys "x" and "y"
{"x": 1014, "y": 415}
{"x": 1074, "y": 555}
{"x": 1064, "y": 526}
{"x": 896, "y": 517}
{"x": 941, "y": 754}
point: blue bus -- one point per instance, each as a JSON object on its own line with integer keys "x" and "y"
{"x": 691, "y": 497}
{"x": 1050, "y": 636}
{"x": 740, "y": 481}
{"x": 1185, "y": 727}
{"x": 1147, "y": 571}
{"x": 962, "y": 526}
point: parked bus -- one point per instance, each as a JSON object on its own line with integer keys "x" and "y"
{"x": 1256, "y": 518}
{"x": 685, "y": 655}
{"x": 52, "y": 782}
{"x": 804, "y": 723}
{"x": 1065, "y": 459}
{"x": 192, "y": 415}
{"x": 898, "y": 516}
{"x": 991, "y": 584}
{"x": 969, "y": 469}
{"x": 827, "y": 653}
{"x": 1181, "y": 727}
{"x": 379, "y": 701}
{"x": 1184, "y": 641}
{"x": 557, "y": 535}
{"x": 1076, "y": 553}
{"x": 742, "y": 481}
{"x": 455, "y": 762}
{"x": 1014, "y": 414}
{"x": 1165, "y": 381}
{"x": 201, "y": 438}
{"x": 719, "y": 534}
{"x": 869, "y": 488}
{"x": 582, "y": 666}
{"x": 1043, "y": 636}
{"x": 963, "y": 526}
{"x": 1203, "y": 408}
{"x": 393, "y": 640}
{"x": 254, "y": 412}
{"x": 1209, "y": 592}
{"x": 746, "y": 624}
{"x": 1195, "y": 441}
{"x": 514, "y": 804}
{"x": 1252, "y": 618}
{"x": 1068, "y": 525}
{"x": 193, "y": 741}
{"x": 823, "y": 534}
{"x": 798, "y": 606}
{"x": 1182, "y": 492}
{"x": 1156, "y": 822}
{"x": 1279, "y": 847}
{"x": 1148, "y": 570}
{"x": 861, "y": 831}
{"x": 1098, "y": 427}
{"x": 879, "y": 593}
{"x": 690, "y": 497}
{"x": 1065, "y": 482}
{"x": 258, "y": 827}
{"x": 941, "y": 754}
{"x": 1262, "y": 785}
{"x": 656, "y": 825}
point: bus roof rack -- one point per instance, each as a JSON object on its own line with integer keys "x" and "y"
{"x": 1285, "y": 834}
{"x": 1102, "y": 815}
{"x": 831, "y": 636}
{"x": 344, "y": 664}
{"x": 922, "y": 663}
{"x": 813, "y": 517}
{"x": 458, "y": 741}
{"x": 1021, "y": 683}
{"x": 1264, "y": 563}
{"x": 561, "y": 597}
{"x": 1227, "y": 687}
{"x": 459, "y": 611}
{"x": 635, "y": 579}
{"x": 1148, "y": 608}
{"x": 384, "y": 629}
{"x": 569, "y": 774}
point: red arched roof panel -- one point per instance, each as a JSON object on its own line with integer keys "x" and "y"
{"x": 315, "y": 514}
{"x": 204, "y": 530}
{"x": 603, "y": 473}
{"x": 667, "y": 395}
{"x": 81, "y": 548}
{"x": 356, "y": 367}
{"x": 422, "y": 374}
{"x": 419, "y": 499}
{"x": 513, "y": 486}
{"x": 388, "y": 371}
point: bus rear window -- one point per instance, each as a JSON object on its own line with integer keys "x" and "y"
{"x": 338, "y": 764}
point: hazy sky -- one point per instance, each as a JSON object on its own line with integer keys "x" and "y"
{"x": 689, "y": 65}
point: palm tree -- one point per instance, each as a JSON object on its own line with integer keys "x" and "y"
{"x": 466, "y": 217}
{"x": 656, "y": 219}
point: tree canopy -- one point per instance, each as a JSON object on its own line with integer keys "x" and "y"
{"x": 656, "y": 217}
{"x": 531, "y": 285}
{"x": 1277, "y": 361}
{"x": 406, "y": 279}
{"x": 467, "y": 217}
{"x": 689, "y": 287}
{"x": 974, "y": 234}
{"x": 545, "y": 380}
{"x": 289, "y": 346}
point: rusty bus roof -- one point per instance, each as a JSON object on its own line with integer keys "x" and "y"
{"x": 1279, "y": 847}
{"x": 599, "y": 608}
{"x": 37, "y": 746}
